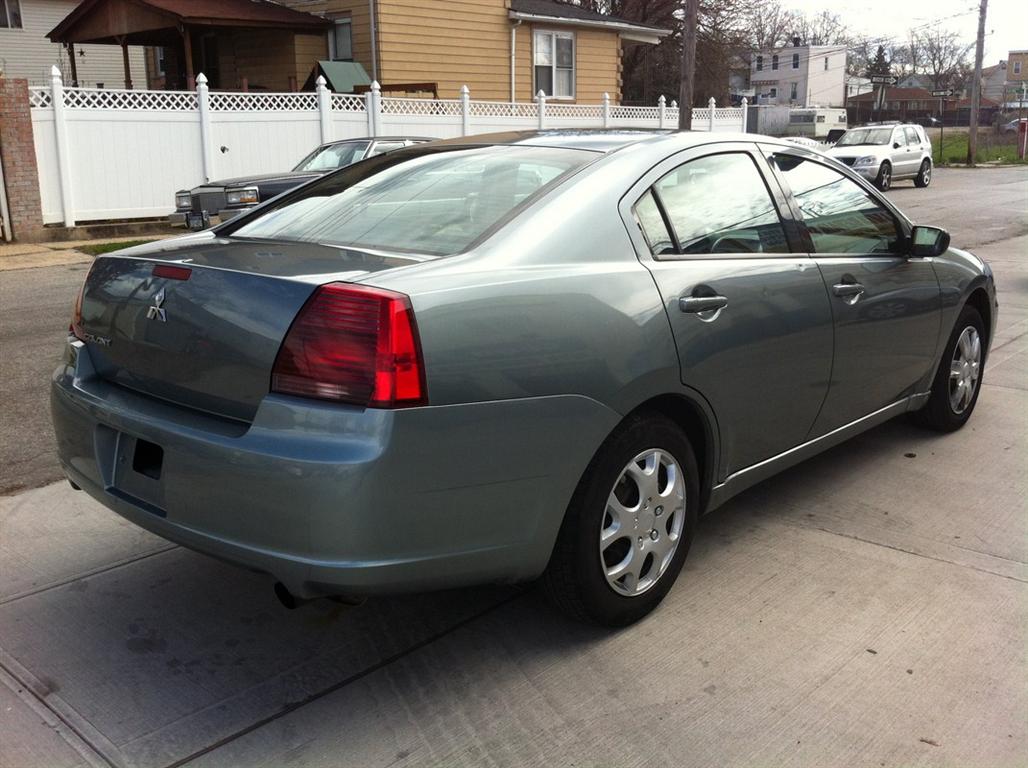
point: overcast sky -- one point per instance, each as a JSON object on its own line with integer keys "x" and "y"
{"x": 1006, "y": 24}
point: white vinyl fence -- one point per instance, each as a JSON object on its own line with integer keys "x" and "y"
{"x": 114, "y": 154}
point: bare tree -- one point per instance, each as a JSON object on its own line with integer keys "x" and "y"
{"x": 769, "y": 25}
{"x": 944, "y": 55}
{"x": 824, "y": 28}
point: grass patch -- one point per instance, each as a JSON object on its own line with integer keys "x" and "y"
{"x": 992, "y": 148}
{"x": 98, "y": 248}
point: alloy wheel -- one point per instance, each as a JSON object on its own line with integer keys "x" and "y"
{"x": 643, "y": 522}
{"x": 965, "y": 369}
{"x": 885, "y": 177}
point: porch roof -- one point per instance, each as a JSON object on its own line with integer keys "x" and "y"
{"x": 156, "y": 22}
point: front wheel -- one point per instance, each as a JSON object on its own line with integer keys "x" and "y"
{"x": 959, "y": 377}
{"x": 629, "y": 526}
{"x": 924, "y": 176}
{"x": 884, "y": 179}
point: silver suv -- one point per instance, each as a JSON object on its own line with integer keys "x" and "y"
{"x": 884, "y": 152}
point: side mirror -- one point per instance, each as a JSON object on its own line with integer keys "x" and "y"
{"x": 895, "y": 145}
{"x": 928, "y": 241}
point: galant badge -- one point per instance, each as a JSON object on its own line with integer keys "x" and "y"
{"x": 156, "y": 310}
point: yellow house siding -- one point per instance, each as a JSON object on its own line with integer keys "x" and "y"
{"x": 597, "y": 64}
{"x": 446, "y": 42}
{"x": 309, "y": 49}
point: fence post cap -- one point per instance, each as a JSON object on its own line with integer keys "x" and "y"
{"x": 464, "y": 90}
{"x": 201, "y": 79}
{"x": 606, "y": 96}
{"x": 375, "y": 86}
{"x": 662, "y": 101}
{"x": 540, "y": 95}
{"x": 321, "y": 82}
{"x": 674, "y": 104}
{"x": 55, "y": 73}
{"x": 712, "y": 102}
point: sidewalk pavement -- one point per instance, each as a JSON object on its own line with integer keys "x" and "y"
{"x": 32, "y": 255}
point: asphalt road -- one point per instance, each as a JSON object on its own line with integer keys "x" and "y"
{"x": 868, "y": 607}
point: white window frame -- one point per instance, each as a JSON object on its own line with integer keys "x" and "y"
{"x": 332, "y": 38}
{"x": 7, "y": 15}
{"x": 1017, "y": 67}
{"x": 555, "y": 33}
{"x": 795, "y": 61}
{"x": 760, "y": 63}
{"x": 826, "y": 63}
{"x": 773, "y": 93}
{"x": 774, "y": 63}
{"x": 794, "y": 89}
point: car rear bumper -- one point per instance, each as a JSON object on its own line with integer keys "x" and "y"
{"x": 332, "y": 499}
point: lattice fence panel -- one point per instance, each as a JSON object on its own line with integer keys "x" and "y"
{"x": 40, "y": 97}
{"x": 96, "y": 98}
{"x": 402, "y": 106}
{"x": 585, "y": 111}
{"x": 503, "y": 109}
{"x": 347, "y": 102}
{"x": 263, "y": 102}
{"x": 635, "y": 113}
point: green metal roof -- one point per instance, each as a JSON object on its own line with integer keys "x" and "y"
{"x": 341, "y": 76}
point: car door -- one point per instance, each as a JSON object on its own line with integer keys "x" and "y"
{"x": 906, "y": 157}
{"x": 750, "y": 317}
{"x": 886, "y": 304}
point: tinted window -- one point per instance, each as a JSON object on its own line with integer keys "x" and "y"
{"x": 719, "y": 204}
{"x": 432, "y": 201}
{"x": 381, "y": 147}
{"x": 840, "y": 215}
{"x": 652, "y": 225}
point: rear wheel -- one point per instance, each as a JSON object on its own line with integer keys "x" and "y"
{"x": 924, "y": 176}
{"x": 629, "y": 526}
{"x": 959, "y": 377}
{"x": 884, "y": 179}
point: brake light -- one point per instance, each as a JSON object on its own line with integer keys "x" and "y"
{"x": 353, "y": 344}
{"x": 75, "y": 329}
{"x": 171, "y": 272}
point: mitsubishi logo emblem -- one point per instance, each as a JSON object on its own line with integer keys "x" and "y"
{"x": 157, "y": 308}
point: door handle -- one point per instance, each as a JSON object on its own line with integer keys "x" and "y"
{"x": 697, "y": 304}
{"x": 848, "y": 290}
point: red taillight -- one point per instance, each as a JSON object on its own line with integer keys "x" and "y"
{"x": 353, "y": 344}
{"x": 171, "y": 272}
{"x": 76, "y": 317}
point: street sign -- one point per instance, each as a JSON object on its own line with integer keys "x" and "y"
{"x": 945, "y": 92}
{"x": 884, "y": 79}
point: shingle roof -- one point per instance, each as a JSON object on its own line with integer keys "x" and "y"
{"x": 574, "y": 13}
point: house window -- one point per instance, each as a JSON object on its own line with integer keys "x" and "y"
{"x": 555, "y": 64}
{"x": 792, "y": 91}
{"x": 795, "y": 61}
{"x": 161, "y": 66}
{"x": 826, "y": 63}
{"x": 340, "y": 43}
{"x": 773, "y": 93}
{"x": 760, "y": 63}
{"x": 774, "y": 62}
{"x": 10, "y": 14}
{"x": 1017, "y": 67}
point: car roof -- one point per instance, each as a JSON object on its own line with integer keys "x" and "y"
{"x": 604, "y": 140}
{"x": 380, "y": 138}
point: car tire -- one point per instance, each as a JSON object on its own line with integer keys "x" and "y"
{"x": 957, "y": 385}
{"x": 884, "y": 179}
{"x": 924, "y": 175}
{"x": 582, "y": 579}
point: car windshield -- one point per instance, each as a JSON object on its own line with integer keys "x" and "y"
{"x": 857, "y": 136}
{"x": 434, "y": 201}
{"x": 332, "y": 156}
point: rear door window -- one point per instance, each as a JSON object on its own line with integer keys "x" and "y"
{"x": 714, "y": 204}
{"x": 912, "y": 138}
{"x": 840, "y": 215}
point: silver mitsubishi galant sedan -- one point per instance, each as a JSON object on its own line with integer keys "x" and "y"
{"x": 509, "y": 357}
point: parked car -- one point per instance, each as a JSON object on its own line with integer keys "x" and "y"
{"x": 884, "y": 153}
{"x": 806, "y": 141}
{"x": 502, "y": 357}
{"x": 230, "y": 197}
{"x": 928, "y": 122}
{"x": 1011, "y": 127}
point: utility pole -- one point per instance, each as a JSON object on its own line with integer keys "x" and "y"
{"x": 685, "y": 89}
{"x": 976, "y": 85}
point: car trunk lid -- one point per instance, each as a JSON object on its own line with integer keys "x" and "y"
{"x": 199, "y": 321}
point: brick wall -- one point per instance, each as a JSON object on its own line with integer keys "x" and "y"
{"x": 18, "y": 155}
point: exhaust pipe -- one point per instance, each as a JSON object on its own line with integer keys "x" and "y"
{"x": 292, "y": 602}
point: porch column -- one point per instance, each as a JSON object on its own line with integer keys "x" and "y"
{"x": 74, "y": 65}
{"x": 187, "y": 50}
{"x": 125, "y": 63}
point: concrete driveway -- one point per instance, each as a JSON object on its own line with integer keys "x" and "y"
{"x": 867, "y": 608}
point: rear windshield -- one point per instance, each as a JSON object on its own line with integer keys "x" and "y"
{"x": 332, "y": 156}
{"x": 434, "y": 201}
